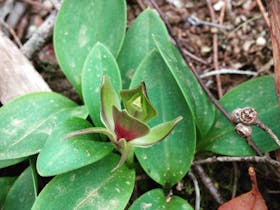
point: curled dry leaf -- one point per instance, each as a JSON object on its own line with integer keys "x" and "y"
{"x": 251, "y": 200}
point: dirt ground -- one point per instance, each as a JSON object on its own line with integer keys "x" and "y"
{"x": 243, "y": 44}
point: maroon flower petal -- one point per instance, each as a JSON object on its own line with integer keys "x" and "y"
{"x": 127, "y": 127}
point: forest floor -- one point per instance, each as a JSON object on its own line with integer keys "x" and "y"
{"x": 243, "y": 43}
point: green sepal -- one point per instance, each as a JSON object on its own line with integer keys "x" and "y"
{"x": 137, "y": 104}
{"x": 99, "y": 130}
{"x": 156, "y": 134}
{"x": 109, "y": 98}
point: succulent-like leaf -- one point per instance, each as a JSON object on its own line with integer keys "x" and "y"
{"x": 127, "y": 127}
{"x": 155, "y": 199}
{"x": 99, "y": 62}
{"x": 109, "y": 98}
{"x": 27, "y": 122}
{"x": 156, "y": 134}
{"x": 201, "y": 106}
{"x": 92, "y": 187}
{"x": 21, "y": 194}
{"x": 60, "y": 155}
{"x": 137, "y": 104}
{"x": 79, "y": 27}
{"x": 168, "y": 161}
{"x": 139, "y": 42}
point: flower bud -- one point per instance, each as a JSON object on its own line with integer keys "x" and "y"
{"x": 248, "y": 116}
{"x": 235, "y": 115}
{"x": 243, "y": 130}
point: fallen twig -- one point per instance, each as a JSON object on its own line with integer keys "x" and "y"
{"x": 215, "y": 50}
{"x": 228, "y": 71}
{"x": 262, "y": 10}
{"x": 39, "y": 38}
{"x": 256, "y": 159}
{"x": 206, "y": 180}
{"x": 197, "y": 190}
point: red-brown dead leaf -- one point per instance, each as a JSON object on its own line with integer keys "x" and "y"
{"x": 251, "y": 200}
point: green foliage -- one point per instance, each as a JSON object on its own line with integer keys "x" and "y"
{"x": 139, "y": 42}
{"x": 91, "y": 187}
{"x": 155, "y": 199}
{"x": 5, "y": 183}
{"x": 258, "y": 93}
{"x": 22, "y": 194}
{"x": 168, "y": 161}
{"x": 81, "y": 25}
{"x": 27, "y": 122}
{"x": 98, "y": 58}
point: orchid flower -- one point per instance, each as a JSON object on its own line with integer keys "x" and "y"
{"x": 126, "y": 128}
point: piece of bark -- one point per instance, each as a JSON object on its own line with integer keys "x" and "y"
{"x": 17, "y": 75}
{"x": 274, "y": 12}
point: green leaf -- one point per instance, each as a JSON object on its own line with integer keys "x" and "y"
{"x": 21, "y": 195}
{"x": 80, "y": 25}
{"x": 91, "y": 187}
{"x": 5, "y": 185}
{"x": 199, "y": 103}
{"x": 139, "y": 42}
{"x": 27, "y": 122}
{"x": 99, "y": 62}
{"x": 61, "y": 155}
{"x": 155, "y": 199}
{"x": 258, "y": 93}
{"x": 10, "y": 162}
{"x": 168, "y": 161}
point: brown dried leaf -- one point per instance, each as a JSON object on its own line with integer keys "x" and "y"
{"x": 251, "y": 200}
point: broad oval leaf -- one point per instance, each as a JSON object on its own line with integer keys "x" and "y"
{"x": 22, "y": 194}
{"x": 61, "y": 155}
{"x": 5, "y": 185}
{"x": 90, "y": 187}
{"x": 259, "y": 94}
{"x": 80, "y": 25}
{"x": 199, "y": 103}
{"x": 99, "y": 62}
{"x": 10, "y": 162}
{"x": 27, "y": 121}
{"x": 168, "y": 161}
{"x": 155, "y": 199}
{"x": 139, "y": 42}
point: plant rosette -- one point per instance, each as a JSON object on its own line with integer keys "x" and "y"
{"x": 127, "y": 128}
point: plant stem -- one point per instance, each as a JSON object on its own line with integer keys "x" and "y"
{"x": 32, "y": 163}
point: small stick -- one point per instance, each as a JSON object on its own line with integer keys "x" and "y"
{"x": 206, "y": 180}
{"x": 228, "y": 71}
{"x": 265, "y": 18}
{"x": 215, "y": 50}
{"x": 13, "y": 33}
{"x": 253, "y": 146}
{"x": 235, "y": 180}
{"x": 197, "y": 190}
{"x": 37, "y": 4}
{"x": 194, "y": 57}
{"x": 256, "y": 159}
{"x": 39, "y": 38}
{"x": 193, "y": 20}
{"x": 269, "y": 131}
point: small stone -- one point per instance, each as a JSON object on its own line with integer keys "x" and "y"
{"x": 261, "y": 41}
{"x": 205, "y": 50}
{"x": 243, "y": 130}
{"x": 219, "y": 5}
